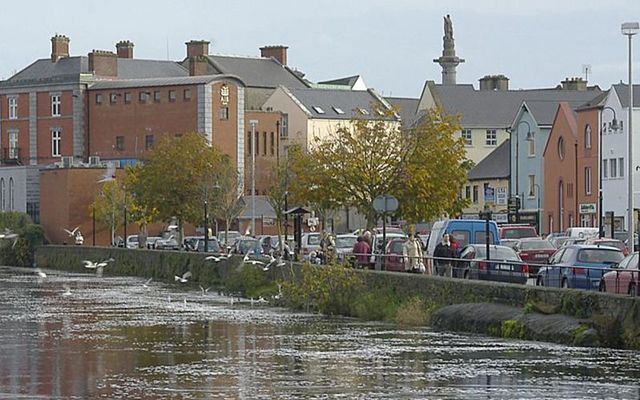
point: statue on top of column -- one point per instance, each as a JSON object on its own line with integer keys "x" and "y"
{"x": 448, "y": 27}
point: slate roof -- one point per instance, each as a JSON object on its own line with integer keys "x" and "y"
{"x": 328, "y": 100}
{"x": 131, "y": 83}
{"x": 263, "y": 208}
{"x": 494, "y": 108}
{"x": 257, "y": 72}
{"x": 406, "y": 108}
{"x": 545, "y": 111}
{"x": 623, "y": 94}
{"x": 348, "y": 81}
{"x": 496, "y": 165}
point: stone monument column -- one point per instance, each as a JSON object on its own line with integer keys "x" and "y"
{"x": 448, "y": 61}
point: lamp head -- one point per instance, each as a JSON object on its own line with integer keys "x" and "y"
{"x": 630, "y": 28}
{"x": 530, "y": 136}
{"x": 614, "y": 125}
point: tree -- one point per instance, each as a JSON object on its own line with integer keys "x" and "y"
{"x": 110, "y": 207}
{"x": 226, "y": 202}
{"x": 140, "y": 213}
{"x": 278, "y": 195}
{"x": 170, "y": 181}
{"x": 423, "y": 167}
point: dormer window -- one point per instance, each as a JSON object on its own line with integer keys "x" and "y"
{"x": 338, "y": 110}
{"x": 318, "y": 109}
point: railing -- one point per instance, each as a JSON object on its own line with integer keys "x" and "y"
{"x": 11, "y": 155}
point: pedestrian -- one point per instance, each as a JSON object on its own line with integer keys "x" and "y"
{"x": 329, "y": 249}
{"x": 455, "y": 246}
{"x": 443, "y": 254}
{"x": 412, "y": 254}
{"x": 361, "y": 251}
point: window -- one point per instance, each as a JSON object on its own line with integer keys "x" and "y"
{"x": 113, "y": 98}
{"x": 11, "y": 195}
{"x": 363, "y": 111}
{"x": 284, "y": 126}
{"x": 532, "y": 185}
{"x": 338, "y": 110}
{"x": 127, "y": 97}
{"x": 257, "y": 139}
{"x": 621, "y": 167}
{"x": 605, "y": 170}
{"x": 264, "y": 142}
{"x": 466, "y": 135}
{"x": 587, "y": 180}
{"x": 98, "y": 98}
{"x": 56, "y": 138}
{"x": 172, "y": 96}
{"x": 491, "y": 138}
{"x": 613, "y": 168}
{"x": 3, "y": 194}
{"x": 13, "y": 107}
{"x": 186, "y": 95}
{"x": 143, "y": 97}
{"x": 318, "y": 109}
{"x": 475, "y": 193}
{"x": 273, "y": 144}
{"x": 224, "y": 113}
{"x": 148, "y": 142}
{"x": 33, "y": 209}
{"x": 561, "y": 148}
{"x": 531, "y": 145}
{"x": 55, "y": 105}
{"x": 467, "y": 192}
{"x": 587, "y": 137}
{"x": 156, "y": 96}
{"x": 13, "y": 145}
{"x": 249, "y": 144}
{"x": 119, "y": 143}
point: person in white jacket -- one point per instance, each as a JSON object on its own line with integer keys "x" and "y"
{"x": 412, "y": 253}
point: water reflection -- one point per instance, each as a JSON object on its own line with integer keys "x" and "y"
{"x": 112, "y": 338}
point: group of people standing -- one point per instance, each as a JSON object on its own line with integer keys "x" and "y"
{"x": 444, "y": 256}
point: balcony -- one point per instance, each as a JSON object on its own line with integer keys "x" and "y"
{"x": 11, "y": 156}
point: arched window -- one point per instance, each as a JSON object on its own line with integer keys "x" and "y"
{"x": 11, "y": 195}
{"x": 587, "y": 137}
{"x": 561, "y": 148}
{"x": 3, "y": 195}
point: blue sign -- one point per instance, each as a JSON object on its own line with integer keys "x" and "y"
{"x": 489, "y": 194}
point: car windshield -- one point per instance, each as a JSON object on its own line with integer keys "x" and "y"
{"x": 497, "y": 253}
{"x": 536, "y": 245}
{"x": 314, "y": 240}
{"x": 518, "y": 233}
{"x": 345, "y": 242}
{"x": 600, "y": 256}
{"x": 249, "y": 244}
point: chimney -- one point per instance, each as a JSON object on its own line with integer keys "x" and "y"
{"x": 198, "y": 65}
{"x": 103, "y": 63}
{"x": 494, "y": 82}
{"x": 197, "y": 48}
{"x": 59, "y": 47}
{"x": 277, "y": 52}
{"x": 124, "y": 48}
{"x": 574, "y": 84}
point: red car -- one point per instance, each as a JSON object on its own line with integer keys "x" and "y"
{"x": 624, "y": 279}
{"x": 534, "y": 251}
{"x": 394, "y": 255}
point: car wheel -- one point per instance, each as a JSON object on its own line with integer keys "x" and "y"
{"x": 633, "y": 292}
{"x": 565, "y": 283}
{"x": 539, "y": 281}
{"x": 602, "y": 287}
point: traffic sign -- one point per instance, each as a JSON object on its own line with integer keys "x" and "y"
{"x": 489, "y": 194}
{"x": 385, "y": 203}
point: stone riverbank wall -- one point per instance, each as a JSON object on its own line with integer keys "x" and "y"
{"x": 507, "y": 310}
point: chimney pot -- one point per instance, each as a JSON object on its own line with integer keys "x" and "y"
{"x": 197, "y": 48}
{"x": 103, "y": 63}
{"x": 278, "y": 52}
{"x": 59, "y": 47}
{"x": 124, "y": 48}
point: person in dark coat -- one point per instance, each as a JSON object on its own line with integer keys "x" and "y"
{"x": 443, "y": 254}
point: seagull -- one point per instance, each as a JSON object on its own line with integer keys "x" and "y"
{"x": 40, "y": 274}
{"x": 261, "y": 300}
{"x": 185, "y": 277}
{"x": 93, "y": 265}
{"x": 146, "y": 284}
{"x": 278, "y": 261}
{"x": 253, "y": 262}
{"x": 109, "y": 174}
{"x": 204, "y": 291}
{"x": 216, "y": 258}
{"x": 67, "y": 291}
{"x": 73, "y": 232}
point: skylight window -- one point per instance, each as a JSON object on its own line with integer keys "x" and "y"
{"x": 318, "y": 109}
{"x": 363, "y": 111}
{"x": 338, "y": 110}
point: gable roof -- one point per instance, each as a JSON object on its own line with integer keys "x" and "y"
{"x": 264, "y": 209}
{"x": 496, "y": 108}
{"x": 496, "y": 165}
{"x": 565, "y": 110}
{"x": 256, "y": 72}
{"x": 623, "y": 94}
{"x": 406, "y": 108}
{"x": 334, "y": 101}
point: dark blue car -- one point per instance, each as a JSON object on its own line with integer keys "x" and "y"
{"x": 579, "y": 266}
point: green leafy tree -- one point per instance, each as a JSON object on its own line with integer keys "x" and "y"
{"x": 140, "y": 213}
{"x": 278, "y": 195}
{"x": 171, "y": 179}
{"x": 110, "y": 206}
{"x": 226, "y": 198}
{"x": 20, "y": 236}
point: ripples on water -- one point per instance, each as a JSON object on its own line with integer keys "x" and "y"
{"x": 112, "y": 338}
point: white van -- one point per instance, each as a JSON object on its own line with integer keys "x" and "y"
{"x": 582, "y": 232}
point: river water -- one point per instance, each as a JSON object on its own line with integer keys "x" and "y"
{"x": 73, "y": 336}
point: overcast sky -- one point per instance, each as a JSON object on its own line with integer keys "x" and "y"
{"x": 391, "y": 43}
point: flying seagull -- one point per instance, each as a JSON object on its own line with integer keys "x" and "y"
{"x": 93, "y": 265}
{"x": 247, "y": 260}
{"x": 185, "y": 277}
{"x": 217, "y": 258}
{"x": 146, "y": 284}
{"x": 109, "y": 174}
{"x": 204, "y": 290}
{"x": 72, "y": 233}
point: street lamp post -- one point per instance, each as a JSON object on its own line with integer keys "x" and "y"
{"x": 253, "y": 123}
{"x": 529, "y": 135}
{"x": 206, "y": 230}
{"x": 538, "y": 218}
{"x": 614, "y": 126}
{"x": 630, "y": 29}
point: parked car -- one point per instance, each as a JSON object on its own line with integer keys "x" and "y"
{"x": 378, "y": 245}
{"x": 228, "y": 238}
{"x": 579, "y": 266}
{"x": 517, "y": 231}
{"x": 570, "y": 241}
{"x": 310, "y": 242}
{"x": 344, "y": 246}
{"x": 169, "y": 243}
{"x": 624, "y": 279}
{"x": 247, "y": 245}
{"x": 132, "y": 242}
{"x": 394, "y": 255}
{"x": 558, "y": 241}
{"x": 609, "y": 242}
{"x": 213, "y": 246}
{"x": 509, "y": 242}
{"x": 582, "y": 232}
{"x": 151, "y": 241}
{"x": 465, "y": 231}
{"x": 503, "y": 265}
{"x": 534, "y": 251}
